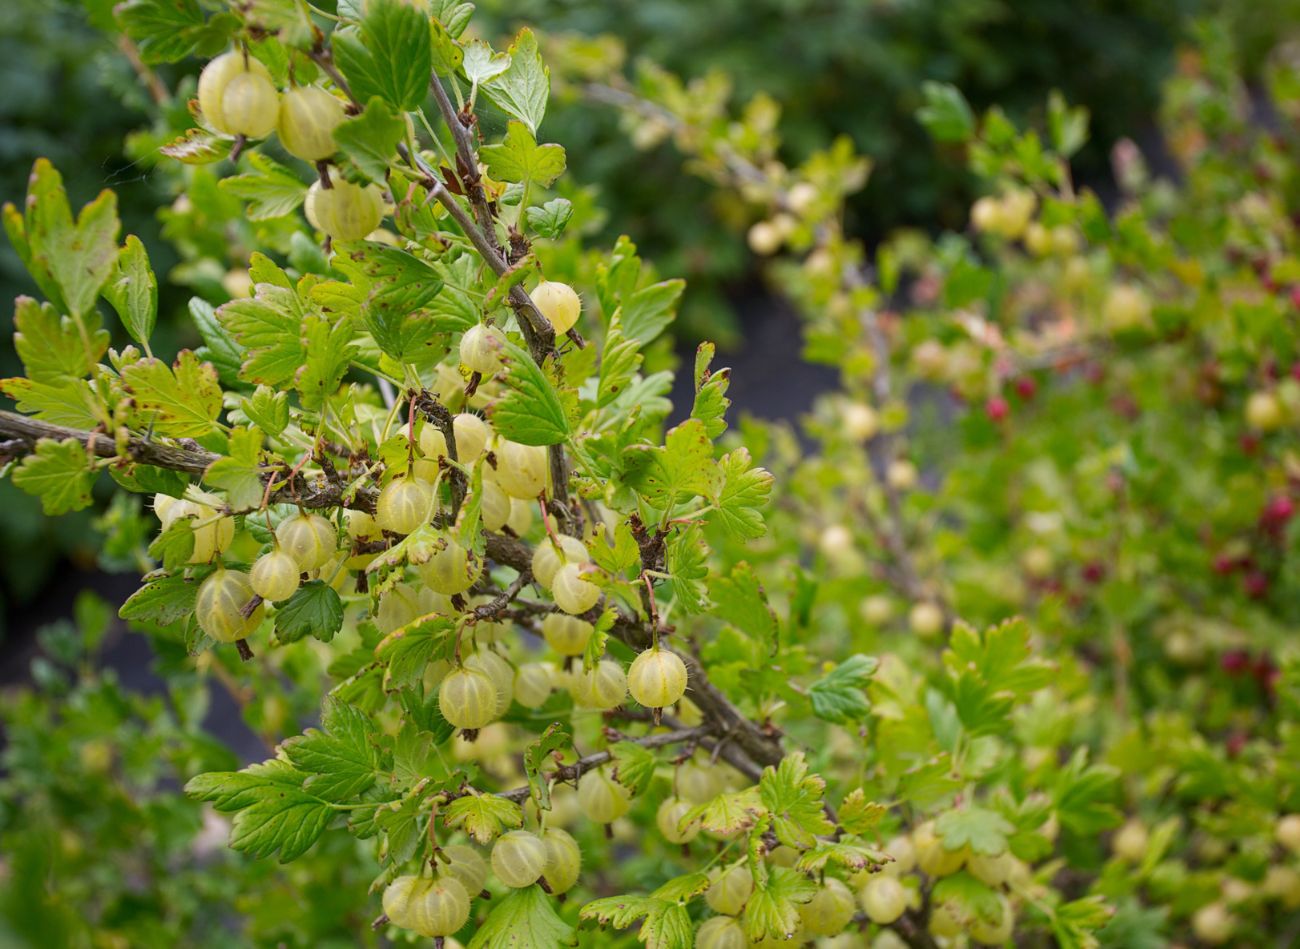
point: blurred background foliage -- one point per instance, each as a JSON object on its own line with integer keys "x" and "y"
{"x": 834, "y": 67}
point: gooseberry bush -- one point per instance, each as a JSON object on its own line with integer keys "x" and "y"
{"x": 585, "y": 667}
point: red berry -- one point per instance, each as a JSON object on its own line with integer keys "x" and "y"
{"x": 1250, "y": 443}
{"x": 1235, "y": 744}
{"x": 1265, "y": 672}
{"x": 1295, "y": 296}
{"x": 1026, "y": 387}
{"x": 1225, "y": 564}
{"x": 997, "y": 408}
{"x": 1235, "y": 661}
{"x": 1094, "y": 571}
{"x": 1278, "y": 510}
{"x": 1255, "y": 583}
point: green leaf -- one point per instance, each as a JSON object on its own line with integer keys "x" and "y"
{"x": 649, "y": 311}
{"x": 273, "y": 812}
{"x": 59, "y": 473}
{"x": 686, "y": 558}
{"x": 162, "y": 601}
{"x": 550, "y": 219}
{"x": 391, "y": 56}
{"x": 523, "y": 919}
{"x": 398, "y": 288}
{"x": 239, "y": 474}
{"x": 851, "y": 854}
{"x": 166, "y": 31}
{"x": 1068, "y": 127}
{"x": 520, "y": 158}
{"x": 729, "y": 813}
{"x": 773, "y": 907}
{"x": 666, "y": 923}
{"x": 979, "y": 828}
{"x": 482, "y": 63}
{"x": 51, "y": 347}
{"x": 408, "y": 650}
{"x": 79, "y": 256}
{"x": 522, "y": 90}
{"x": 174, "y": 546}
{"x": 742, "y": 493}
{"x": 269, "y": 327}
{"x": 182, "y": 401}
{"x": 858, "y": 815}
{"x": 218, "y": 347}
{"x": 132, "y": 291}
{"x": 71, "y": 402}
{"x": 945, "y": 115}
{"x": 314, "y": 610}
{"x": 267, "y": 409}
{"x": 618, "y": 365}
{"x": 370, "y": 139}
{"x": 530, "y": 412}
{"x": 271, "y": 190}
{"x": 681, "y": 469}
{"x": 711, "y": 402}
{"x": 840, "y": 695}
{"x": 634, "y": 766}
{"x": 793, "y": 798}
{"x": 483, "y": 816}
{"x": 342, "y": 756}
{"x": 330, "y": 351}
{"x": 542, "y": 753}
{"x": 739, "y": 599}
{"x": 682, "y": 888}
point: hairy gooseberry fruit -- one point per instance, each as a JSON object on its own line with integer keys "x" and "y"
{"x": 494, "y": 506}
{"x": 1264, "y": 411}
{"x": 883, "y": 899}
{"x": 1130, "y": 841}
{"x": 518, "y": 858}
{"x": 721, "y": 932}
{"x": 481, "y": 349}
{"x": 567, "y": 635}
{"x": 729, "y": 889}
{"x": 996, "y": 932}
{"x": 275, "y": 576}
{"x": 860, "y": 421}
{"x": 532, "y": 684}
{"x": 430, "y": 907}
{"x": 657, "y": 678}
{"x": 563, "y": 860}
{"x": 602, "y": 798}
{"x": 465, "y": 865}
{"x": 559, "y": 303}
{"x": 603, "y": 687}
{"x": 345, "y": 211}
{"x": 572, "y": 593}
{"x": 215, "y": 80}
{"x": 901, "y": 475}
{"x": 521, "y": 516}
{"x": 698, "y": 783}
{"x": 467, "y": 698}
{"x": 402, "y": 604}
{"x": 212, "y": 532}
{"x": 499, "y": 671}
{"x": 433, "y": 443}
{"x": 549, "y": 557}
{"x": 904, "y": 854}
{"x": 249, "y": 106}
{"x": 668, "y": 819}
{"x": 1213, "y": 924}
{"x": 361, "y": 526}
{"x": 993, "y": 871}
{"x": 932, "y": 856}
{"x": 472, "y": 435}
{"x": 308, "y": 538}
{"x": 521, "y": 469}
{"x": 404, "y": 505}
{"x": 451, "y": 569}
{"x": 308, "y": 117}
{"x": 830, "y": 909}
{"x": 221, "y": 597}
{"x": 764, "y": 238}
{"x": 925, "y": 619}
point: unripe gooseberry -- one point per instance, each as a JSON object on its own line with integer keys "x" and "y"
{"x": 657, "y": 678}
{"x": 494, "y": 506}
{"x": 698, "y": 783}
{"x": 572, "y": 593}
{"x": 668, "y": 819}
{"x": 1130, "y": 841}
{"x": 215, "y": 79}
{"x": 996, "y": 932}
{"x": 361, "y": 526}
{"x": 764, "y": 238}
{"x": 567, "y": 635}
{"x": 563, "y": 860}
{"x": 213, "y": 533}
{"x": 345, "y": 211}
{"x": 308, "y": 117}
{"x": 518, "y": 858}
{"x": 221, "y": 597}
{"x": 275, "y": 576}
{"x": 521, "y": 516}
{"x": 830, "y": 909}
{"x": 1213, "y": 924}
{"x": 481, "y": 349}
{"x": 945, "y": 921}
{"x": 1282, "y": 883}
{"x": 433, "y": 443}
{"x": 602, "y": 798}
{"x": 1126, "y": 308}
{"x": 465, "y": 865}
{"x": 925, "y": 619}
{"x": 308, "y": 538}
{"x": 549, "y": 557}
{"x": 729, "y": 889}
{"x": 249, "y": 106}
{"x": 986, "y": 215}
{"x": 472, "y": 435}
{"x": 559, "y": 303}
{"x": 901, "y": 475}
{"x": 467, "y": 698}
{"x": 533, "y": 684}
{"x": 520, "y": 469}
{"x": 603, "y": 687}
{"x": 993, "y": 871}
{"x": 883, "y": 899}
{"x": 399, "y": 606}
{"x": 1287, "y": 832}
{"x": 1264, "y": 411}
{"x": 451, "y": 569}
{"x": 721, "y": 932}
{"x": 429, "y": 907}
{"x": 501, "y": 674}
{"x": 860, "y": 421}
{"x": 877, "y": 609}
{"x": 932, "y": 856}
{"x": 404, "y": 505}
